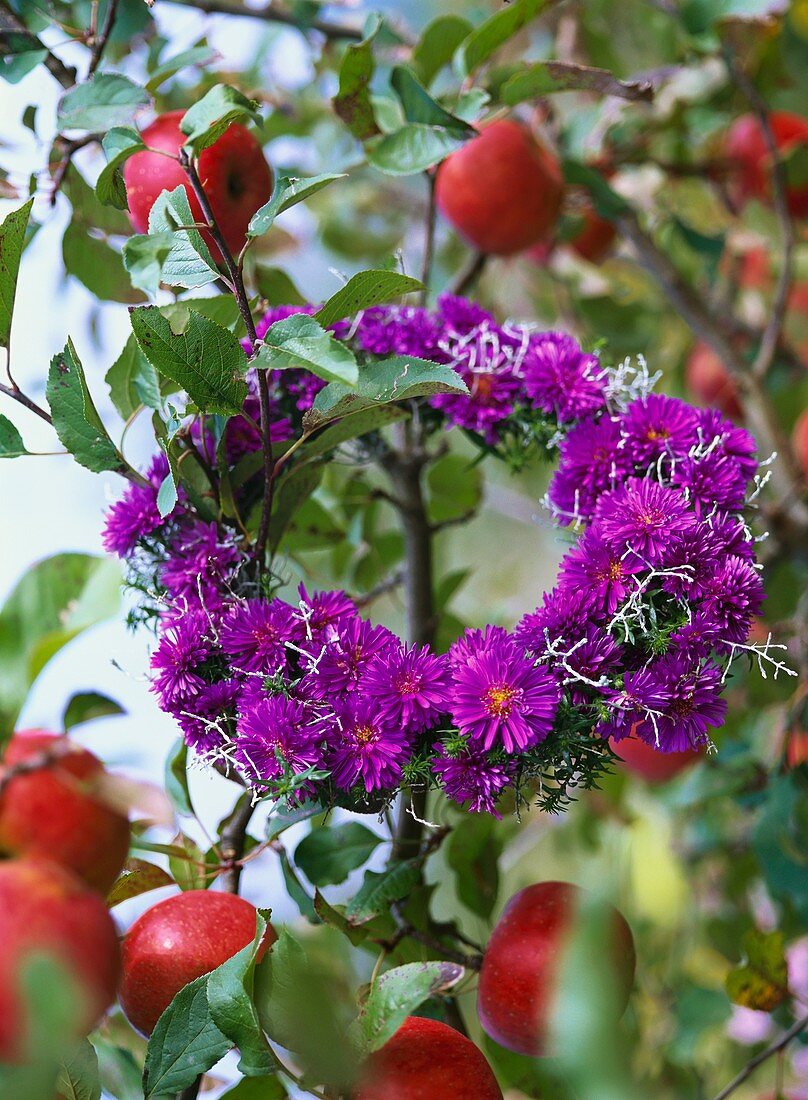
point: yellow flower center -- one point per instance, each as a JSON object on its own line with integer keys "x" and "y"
{"x": 499, "y": 700}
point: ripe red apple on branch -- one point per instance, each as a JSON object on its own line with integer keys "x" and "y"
{"x": 427, "y": 1060}
{"x": 44, "y": 909}
{"x": 178, "y": 940}
{"x": 233, "y": 172}
{"x": 751, "y": 161}
{"x": 710, "y": 382}
{"x": 56, "y": 810}
{"x": 642, "y": 759}
{"x": 501, "y": 191}
{"x": 521, "y": 965}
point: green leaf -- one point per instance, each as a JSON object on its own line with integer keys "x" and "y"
{"x": 189, "y": 262}
{"x": 312, "y": 527}
{"x": 397, "y": 993}
{"x": 398, "y": 379}
{"x": 86, "y": 706}
{"x": 381, "y": 888}
{"x": 257, "y": 1088}
{"x": 97, "y": 265}
{"x": 300, "y": 342}
{"x": 78, "y": 1074}
{"x": 205, "y": 360}
{"x": 455, "y": 487}
{"x": 176, "y": 779}
{"x": 295, "y": 889}
{"x": 106, "y": 100}
{"x": 292, "y": 493}
{"x": 144, "y": 257}
{"x": 185, "y": 864}
{"x": 353, "y": 102}
{"x": 89, "y": 213}
{"x": 282, "y": 818}
{"x": 437, "y": 45}
{"x": 120, "y": 143}
{"x": 75, "y": 417}
{"x": 494, "y": 32}
{"x": 120, "y": 1073}
{"x": 230, "y": 999}
{"x": 335, "y": 917}
{"x": 12, "y": 242}
{"x": 545, "y": 77}
{"x": 328, "y": 854}
{"x": 287, "y": 193}
{"x": 11, "y": 444}
{"x": 137, "y": 877}
{"x": 761, "y": 981}
{"x": 207, "y": 119}
{"x": 276, "y": 287}
{"x": 412, "y": 149}
{"x": 133, "y": 381}
{"x": 419, "y": 106}
{"x": 53, "y": 602}
{"x": 195, "y": 55}
{"x": 366, "y": 289}
{"x": 350, "y": 427}
{"x": 472, "y": 851}
{"x": 184, "y": 1044}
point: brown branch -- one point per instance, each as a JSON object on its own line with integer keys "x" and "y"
{"x": 233, "y": 840}
{"x": 470, "y": 274}
{"x": 100, "y": 40}
{"x": 69, "y": 147}
{"x": 774, "y": 327}
{"x": 270, "y": 14}
{"x": 775, "y": 1048}
{"x": 16, "y": 394}
{"x": 11, "y": 24}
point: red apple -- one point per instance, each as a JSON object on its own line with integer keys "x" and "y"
{"x": 425, "y": 1060}
{"x": 710, "y": 382}
{"x": 501, "y": 191}
{"x": 45, "y": 909}
{"x": 595, "y": 238}
{"x": 233, "y": 171}
{"x": 799, "y": 441}
{"x": 176, "y": 941}
{"x": 56, "y": 811}
{"x": 653, "y": 766}
{"x": 797, "y": 748}
{"x": 520, "y": 969}
{"x": 745, "y": 146}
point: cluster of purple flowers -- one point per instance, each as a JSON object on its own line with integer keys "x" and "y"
{"x": 651, "y": 606}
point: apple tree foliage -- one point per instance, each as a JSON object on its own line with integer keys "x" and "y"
{"x": 710, "y": 868}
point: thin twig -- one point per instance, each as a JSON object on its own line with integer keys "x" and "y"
{"x": 100, "y": 39}
{"x": 470, "y": 273}
{"x": 11, "y": 24}
{"x": 775, "y": 1048}
{"x": 16, "y": 394}
{"x": 69, "y": 147}
{"x": 779, "y": 306}
{"x": 429, "y": 238}
{"x": 271, "y": 14}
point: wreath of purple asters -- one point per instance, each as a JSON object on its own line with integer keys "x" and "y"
{"x": 308, "y": 700}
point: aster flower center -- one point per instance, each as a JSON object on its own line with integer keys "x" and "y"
{"x": 408, "y": 684}
{"x": 483, "y": 385}
{"x": 365, "y": 734}
{"x": 657, "y": 433}
{"x": 651, "y": 517}
{"x": 499, "y": 700}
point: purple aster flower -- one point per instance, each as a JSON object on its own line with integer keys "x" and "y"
{"x": 254, "y": 635}
{"x": 696, "y": 639}
{"x": 321, "y": 614}
{"x": 694, "y": 705}
{"x": 561, "y": 379}
{"x": 691, "y": 561}
{"x": 657, "y": 426}
{"x": 501, "y": 697}
{"x": 599, "y": 573}
{"x": 643, "y": 694}
{"x": 644, "y": 517}
{"x": 275, "y": 737}
{"x": 737, "y": 443}
{"x": 588, "y": 664}
{"x": 202, "y": 564}
{"x": 733, "y": 597}
{"x": 299, "y": 385}
{"x": 135, "y": 515}
{"x": 206, "y": 720}
{"x": 364, "y": 746}
{"x": 410, "y": 685}
{"x": 398, "y": 330}
{"x": 472, "y": 776}
{"x": 473, "y": 642}
{"x": 175, "y": 663}
{"x": 592, "y": 462}
{"x": 462, "y": 315}
{"x": 493, "y": 393}
{"x": 710, "y": 479}
{"x": 732, "y": 535}
{"x": 562, "y": 616}
{"x": 345, "y": 659}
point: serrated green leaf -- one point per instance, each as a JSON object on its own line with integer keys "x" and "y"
{"x": 205, "y": 360}
{"x": 328, "y": 854}
{"x": 545, "y": 77}
{"x": 494, "y": 32}
{"x": 397, "y": 993}
{"x": 366, "y": 289}
{"x": 207, "y": 119}
{"x": 282, "y": 818}
{"x": 287, "y": 193}
{"x": 189, "y": 262}
{"x": 299, "y": 342}
{"x": 144, "y": 257}
{"x": 412, "y": 149}
{"x": 105, "y": 100}
{"x": 194, "y": 55}
{"x": 11, "y": 444}
{"x": 12, "y": 242}
{"x": 353, "y": 102}
{"x": 380, "y": 888}
{"x": 419, "y": 106}
{"x": 184, "y": 1044}
{"x": 120, "y": 143}
{"x": 75, "y": 418}
{"x": 78, "y": 1074}
{"x": 350, "y": 427}
{"x": 292, "y": 492}
{"x": 335, "y": 917}
{"x": 230, "y": 999}
{"x": 120, "y": 1073}
{"x": 86, "y": 706}
{"x": 437, "y": 45}
{"x": 398, "y": 379}
{"x": 133, "y": 381}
